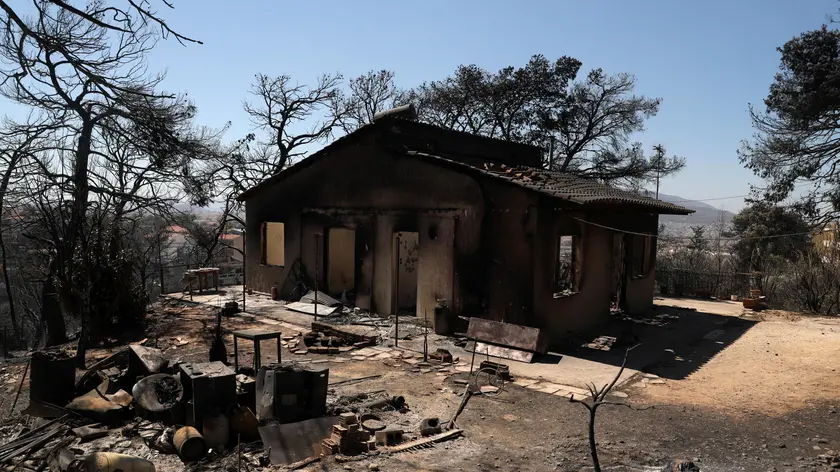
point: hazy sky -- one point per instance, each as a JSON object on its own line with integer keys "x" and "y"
{"x": 707, "y": 60}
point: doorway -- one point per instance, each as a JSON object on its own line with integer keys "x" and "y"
{"x": 619, "y": 270}
{"x": 341, "y": 261}
{"x": 406, "y": 264}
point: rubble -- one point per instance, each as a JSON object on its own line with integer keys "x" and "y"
{"x": 680, "y": 466}
{"x": 158, "y": 393}
{"x": 601, "y": 343}
{"x": 204, "y": 411}
{"x": 347, "y": 437}
{"x": 101, "y": 407}
{"x": 145, "y": 361}
{"x": 89, "y": 433}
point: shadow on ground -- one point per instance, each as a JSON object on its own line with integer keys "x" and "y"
{"x": 672, "y": 342}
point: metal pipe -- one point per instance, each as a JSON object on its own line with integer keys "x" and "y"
{"x": 244, "y": 269}
{"x": 472, "y": 361}
{"x": 317, "y": 245}
{"x": 397, "y": 292}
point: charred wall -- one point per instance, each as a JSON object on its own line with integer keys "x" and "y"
{"x": 365, "y": 188}
{"x": 590, "y": 306}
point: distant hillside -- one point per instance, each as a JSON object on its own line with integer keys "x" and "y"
{"x": 704, "y": 214}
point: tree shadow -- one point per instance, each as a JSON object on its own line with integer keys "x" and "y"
{"x": 673, "y": 342}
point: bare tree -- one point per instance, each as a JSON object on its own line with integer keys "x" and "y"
{"x": 369, "y": 94}
{"x": 598, "y": 397}
{"x": 87, "y": 76}
{"x": 294, "y": 115}
{"x": 15, "y": 151}
{"x": 591, "y": 131}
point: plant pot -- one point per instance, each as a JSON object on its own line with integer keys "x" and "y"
{"x": 752, "y": 303}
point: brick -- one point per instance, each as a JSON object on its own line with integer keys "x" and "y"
{"x": 348, "y": 419}
{"x": 339, "y": 430}
{"x": 388, "y": 437}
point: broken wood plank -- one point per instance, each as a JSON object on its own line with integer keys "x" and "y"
{"x": 301, "y": 464}
{"x": 451, "y": 434}
{"x": 486, "y": 349}
{"x": 358, "y": 379}
{"x": 507, "y": 334}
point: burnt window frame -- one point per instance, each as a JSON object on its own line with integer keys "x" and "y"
{"x": 264, "y": 243}
{"x": 643, "y": 255}
{"x": 576, "y": 263}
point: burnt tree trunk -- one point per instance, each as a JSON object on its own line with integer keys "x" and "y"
{"x": 4, "y": 186}
{"x": 51, "y": 315}
{"x": 593, "y": 446}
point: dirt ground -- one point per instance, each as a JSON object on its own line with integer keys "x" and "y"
{"x": 745, "y": 392}
{"x": 784, "y": 363}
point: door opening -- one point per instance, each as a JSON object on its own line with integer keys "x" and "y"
{"x": 341, "y": 261}
{"x": 619, "y": 266}
{"x": 406, "y": 264}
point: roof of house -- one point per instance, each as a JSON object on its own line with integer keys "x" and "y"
{"x": 565, "y": 186}
{"x": 177, "y": 229}
{"x": 555, "y": 184}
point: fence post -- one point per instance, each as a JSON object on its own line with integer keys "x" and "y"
{"x": 160, "y": 265}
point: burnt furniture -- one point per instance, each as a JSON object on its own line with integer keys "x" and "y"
{"x": 255, "y": 335}
{"x": 291, "y": 393}
{"x": 207, "y": 386}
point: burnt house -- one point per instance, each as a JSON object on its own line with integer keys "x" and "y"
{"x": 399, "y": 215}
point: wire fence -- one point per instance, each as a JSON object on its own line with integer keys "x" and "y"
{"x": 170, "y": 278}
{"x": 704, "y": 284}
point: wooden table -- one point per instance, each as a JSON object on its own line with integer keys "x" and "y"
{"x": 201, "y": 275}
{"x": 255, "y": 335}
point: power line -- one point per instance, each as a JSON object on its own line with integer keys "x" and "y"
{"x": 755, "y": 238}
{"x": 726, "y": 198}
{"x": 709, "y": 199}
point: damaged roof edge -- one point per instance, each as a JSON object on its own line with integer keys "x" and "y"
{"x": 589, "y": 196}
{"x": 381, "y": 124}
{"x": 307, "y": 161}
{"x": 615, "y": 196}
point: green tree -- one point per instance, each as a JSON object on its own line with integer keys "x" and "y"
{"x": 765, "y": 230}
{"x": 797, "y": 136}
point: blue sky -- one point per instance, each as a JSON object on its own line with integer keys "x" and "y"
{"x": 706, "y": 60}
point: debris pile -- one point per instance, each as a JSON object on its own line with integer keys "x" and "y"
{"x": 348, "y": 437}
{"x": 137, "y": 407}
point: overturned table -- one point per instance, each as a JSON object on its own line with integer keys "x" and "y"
{"x": 255, "y": 335}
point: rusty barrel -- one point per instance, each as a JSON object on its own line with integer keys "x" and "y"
{"x": 52, "y": 377}
{"x": 189, "y": 443}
